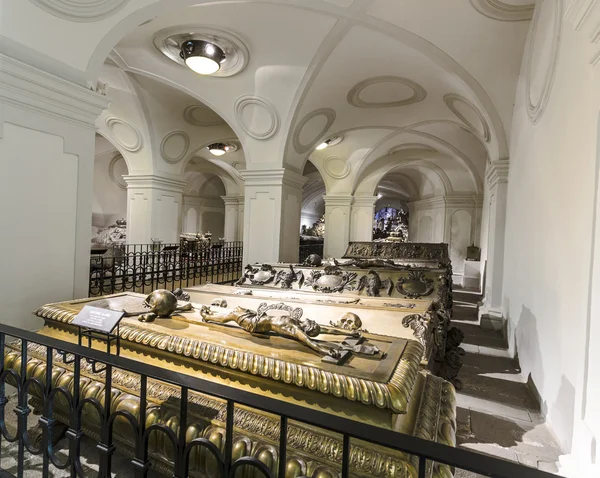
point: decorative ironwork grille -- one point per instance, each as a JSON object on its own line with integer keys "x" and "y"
{"x": 46, "y": 385}
{"x": 146, "y": 267}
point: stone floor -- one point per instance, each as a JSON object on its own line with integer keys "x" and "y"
{"x": 497, "y": 414}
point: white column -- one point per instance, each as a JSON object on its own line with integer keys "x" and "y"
{"x": 363, "y": 213}
{"x": 232, "y": 210}
{"x": 497, "y": 183}
{"x": 273, "y": 199}
{"x": 337, "y": 225}
{"x": 47, "y": 136}
{"x": 153, "y": 209}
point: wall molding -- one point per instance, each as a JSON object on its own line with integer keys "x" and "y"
{"x": 111, "y": 171}
{"x": 180, "y": 156}
{"x": 188, "y": 116}
{"x": 497, "y": 172}
{"x": 498, "y": 10}
{"x": 151, "y": 181}
{"x": 30, "y": 88}
{"x": 452, "y": 99}
{"x": 418, "y": 92}
{"x": 131, "y": 146}
{"x": 86, "y": 11}
{"x": 272, "y": 177}
{"x": 535, "y": 109}
{"x": 245, "y": 101}
{"x": 329, "y": 115}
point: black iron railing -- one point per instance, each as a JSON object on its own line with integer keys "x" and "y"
{"x": 146, "y": 267}
{"x": 45, "y": 385}
{"x": 308, "y": 249}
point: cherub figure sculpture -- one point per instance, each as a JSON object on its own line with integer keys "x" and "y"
{"x": 302, "y": 330}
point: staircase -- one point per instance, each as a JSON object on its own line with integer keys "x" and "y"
{"x": 497, "y": 413}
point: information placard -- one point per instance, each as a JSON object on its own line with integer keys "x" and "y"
{"x": 102, "y": 320}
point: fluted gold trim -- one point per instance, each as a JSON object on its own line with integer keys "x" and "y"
{"x": 393, "y": 395}
{"x": 314, "y": 446}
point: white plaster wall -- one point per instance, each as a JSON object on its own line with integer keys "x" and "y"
{"x": 460, "y": 238}
{"x": 110, "y": 200}
{"x": 548, "y": 233}
{"x": 49, "y": 199}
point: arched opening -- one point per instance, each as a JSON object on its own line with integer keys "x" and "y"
{"x": 312, "y": 215}
{"x": 109, "y": 205}
{"x": 203, "y": 210}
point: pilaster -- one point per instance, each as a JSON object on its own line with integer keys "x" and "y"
{"x": 497, "y": 184}
{"x": 337, "y": 224}
{"x": 273, "y": 199}
{"x": 47, "y": 137}
{"x": 362, "y": 214}
{"x": 154, "y": 206}
{"x": 232, "y": 210}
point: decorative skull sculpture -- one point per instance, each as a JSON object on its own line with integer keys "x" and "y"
{"x": 350, "y": 321}
{"x": 219, "y": 303}
{"x": 313, "y": 260}
{"x": 161, "y": 302}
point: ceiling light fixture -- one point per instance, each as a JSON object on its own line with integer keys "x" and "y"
{"x": 330, "y": 142}
{"x": 323, "y": 145}
{"x": 219, "y": 149}
{"x": 202, "y": 57}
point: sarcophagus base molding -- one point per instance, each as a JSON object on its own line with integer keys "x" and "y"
{"x": 311, "y": 451}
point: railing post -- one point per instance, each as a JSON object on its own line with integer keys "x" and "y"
{"x": 105, "y": 447}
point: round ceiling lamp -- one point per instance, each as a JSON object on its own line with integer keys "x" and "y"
{"x": 219, "y": 149}
{"x": 330, "y": 142}
{"x": 203, "y": 57}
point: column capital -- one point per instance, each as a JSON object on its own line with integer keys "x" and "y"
{"x": 364, "y": 201}
{"x": 497, "y": 172}
{"x": 25, "y": 86}
{"x": 150, "y": 181}
{"x": 338, "y": 200}
{"x": 230, "y": 200}
{"x": 272, "y": 177}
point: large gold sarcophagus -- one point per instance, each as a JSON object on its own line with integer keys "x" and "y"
{"x": 377, "y": 282}
{"x": 408, "y": 319}
{"x": 389, "y": 392}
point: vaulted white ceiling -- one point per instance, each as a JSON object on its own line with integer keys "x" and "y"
{"x": 421, "y": 90}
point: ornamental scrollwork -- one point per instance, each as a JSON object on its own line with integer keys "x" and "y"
{"x": 418, "y": 324}
{"x": 331, "y": 279}
{"x": 294, "y": 312}
{"x": 257, "y": 275}
{"x": 415, "y": 285}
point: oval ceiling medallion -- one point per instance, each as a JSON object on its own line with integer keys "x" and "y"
{"x": 514, "y": 11}
{"x": 174, "y": 146}
{"x": 201, "y": 115}
{"x": 385, "y": 92}
{"x": 336, "y": 167}
{"x": 469, "y": 115}
{"x": 169, "y": 41}
{"x": 81, "y": 10}
{"x": 312, "y": 128}
{"x": 412, "y": 146}
{"x": 117, "y": 169}
{"x": 124, "y": 133}
{"x": 257, "y": 117}
{"x": 544, "y": 40}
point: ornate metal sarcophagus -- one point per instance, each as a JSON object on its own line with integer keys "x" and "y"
{"x": 409, "y": 319}
{"x": 378, "y": 281}
{"x": 388, "y": 391}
